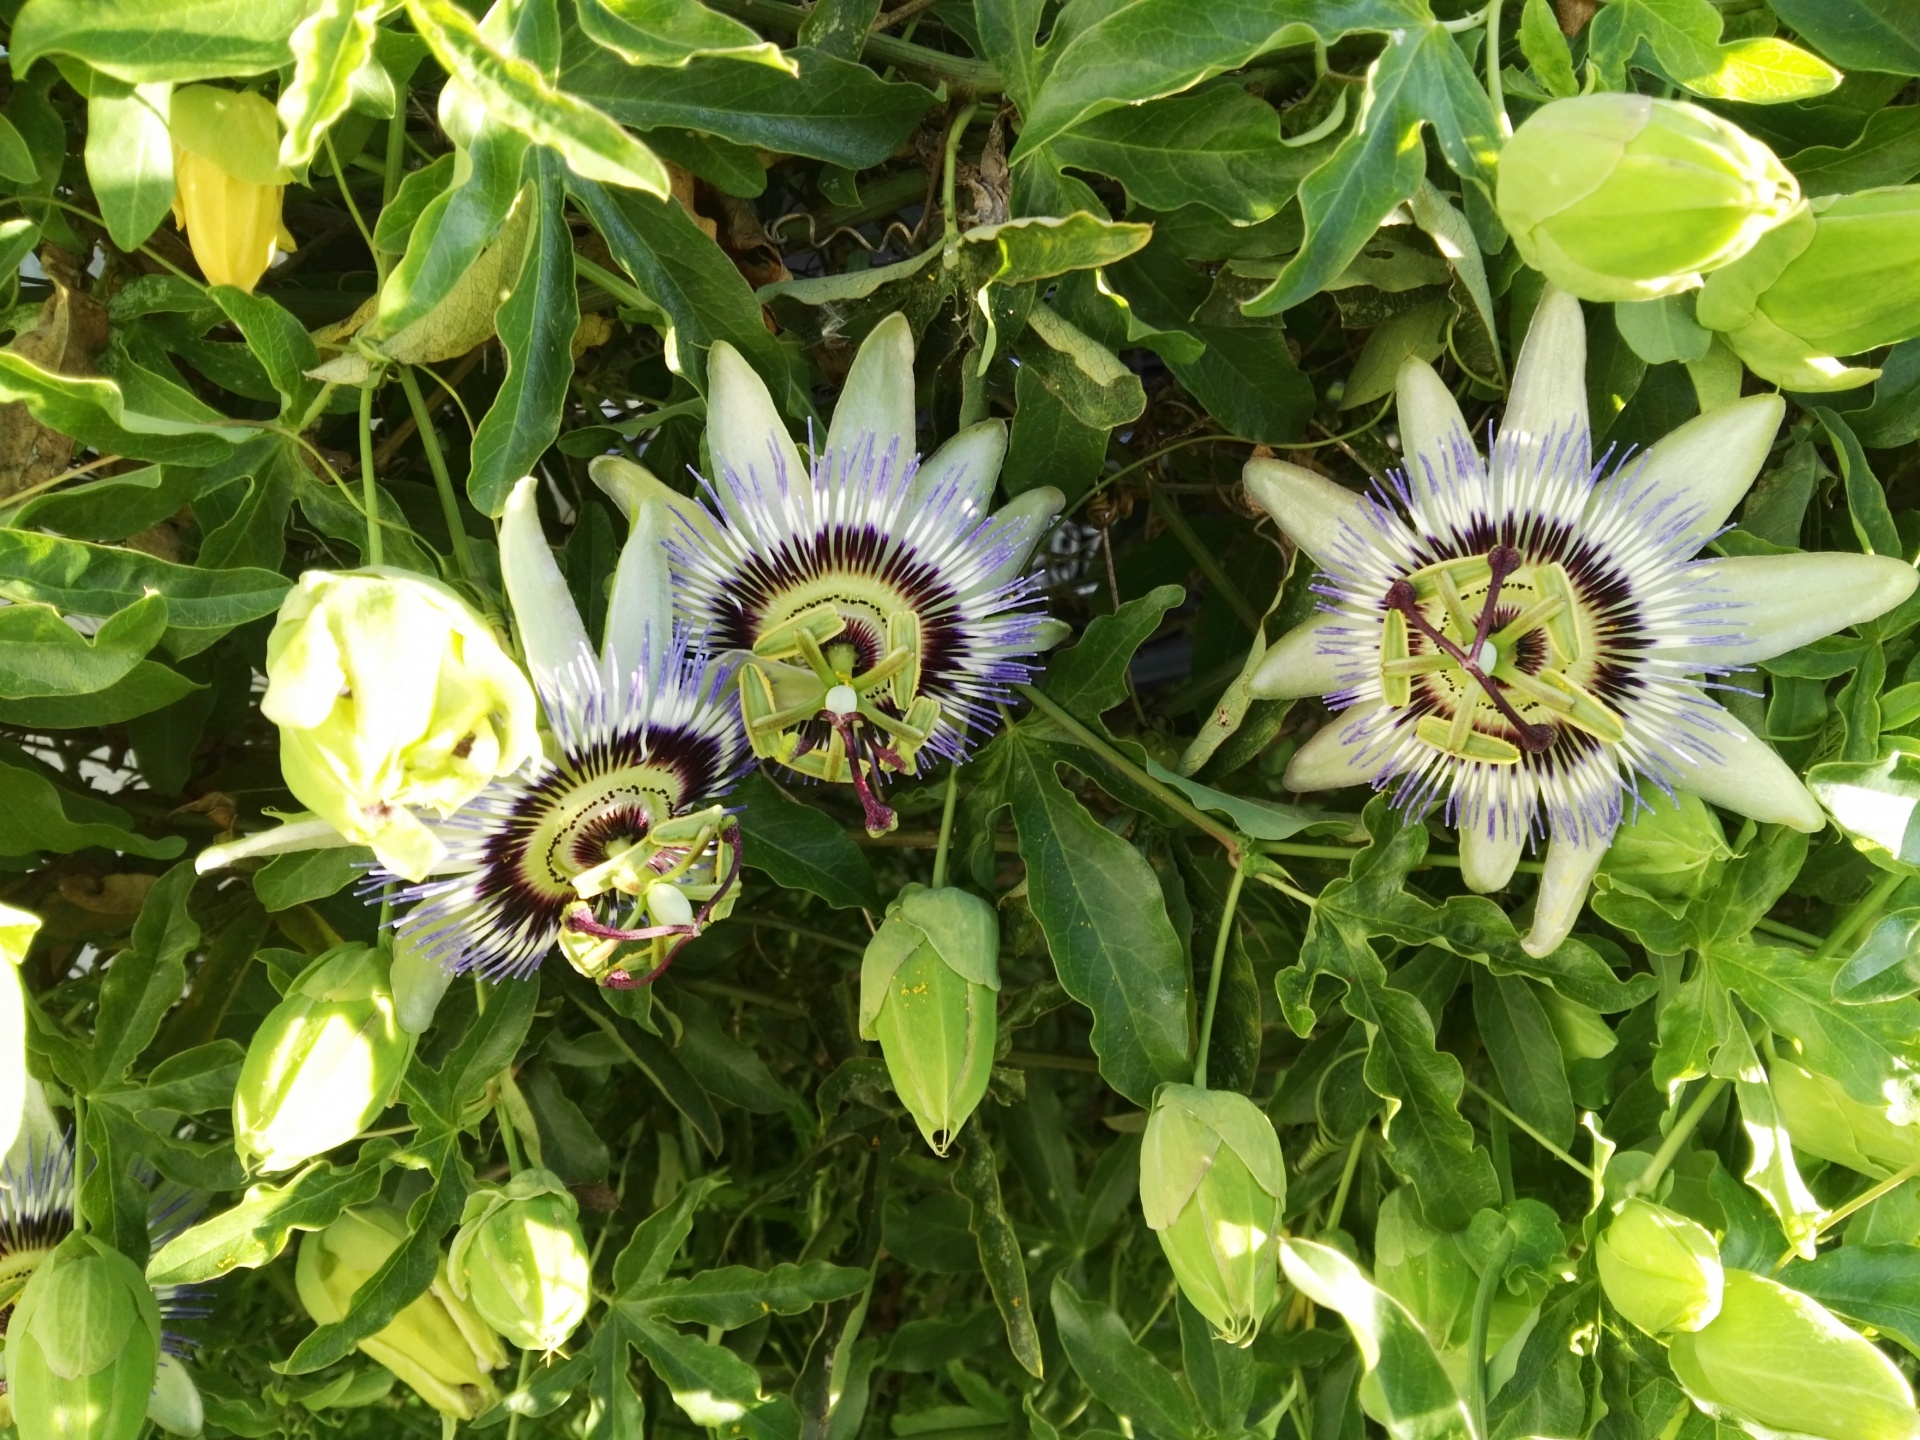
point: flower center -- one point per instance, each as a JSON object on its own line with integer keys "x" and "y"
{"x": 1491, "y": 633}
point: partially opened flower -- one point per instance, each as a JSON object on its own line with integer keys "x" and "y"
{"x": 1520, "y": 641}
{"x": 879, "y": 608}
{"x": 616, "y": 841}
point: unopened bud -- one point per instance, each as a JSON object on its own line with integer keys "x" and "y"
{"x": 520, "y": 1258}
{"x": 83, "y": 1345}
{"x": 1213, "y": 1185}
{"x": 228, "y": 181}
{"x": 929, "y": 985}
{"x": 1660, "y": 1270}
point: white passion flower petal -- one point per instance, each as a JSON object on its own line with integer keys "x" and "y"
{"x": 969, "y": 464}
{"x": 1345, "y": 751}
{"x": 630, "y": 486}
{"x": 876, "y": 403}
{"x": 1694, "y": 477}
{"x": 1544, "y": 434}
{"x": 1738, "y": 771}
{"x": 549, "y": 625}
{"x": 640, "y": 608}
{"x": 1429, "y": 417}
{"x": 752, "y": 453}
{"x": 1489, "y": 854}
{"x": 1312, "y": 511}
{"x": 1766, "y": 605}
{"x": 1564, "y": 881}
{"x": 1300, "y": 663}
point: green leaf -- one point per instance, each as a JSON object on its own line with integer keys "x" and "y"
{"x": 735, "y": 1295}
{"x": 536, "y": 324}
{"x": 690, "y": 278}
{"x": 294, "y": 879}
{"x": 1866, "y": 497}
{"x": 1113, "y": 945}
{"x": 1140, "y": 51}
{"x": 1886, "y": 153}
{"x": 1223, "y": 1377}
{"x": 84, "y": 579}
{"x": 17, "y": 164}
{"x": 334, "y": 41}
{"x": 515, "y": 94}
{"x": 1870, "y": 1049}
{"x": 95, "y": 413}
{"x": 255, "y": 1231}
{"x": 1007, "y": 29}
{"x": 802, "y": 848}
{"x": 1520, "y": 1042}
{"x": 1081, "y": 373}
{"x": 657, "y": 1240}
{"x": 40, "y": 654}
{"x": 710, "y": 1384}
{"x": 977, "y": 1181}
{"x": 129, "y": 155}
{"x": 37, "y": 816}
{"x": 149, "y": 686}
{"x": 1048, "y": 444}
{"x": 452, "y": 229}
{"x": 407, "y": 1272}
{"x": 1219, "y": 147}
{"x": 1122, "y": 1374}
{"x": 484, "y": 1051}
{"x": 1414, "y": 1400}
{"x": 672, "y": 32}
{"x": 191, "y": 1082}
{"x": 1089, "y": 677}
{"x": 1662, "y": 331}
{"x": 148, "y": 41}
{"x": 1877, "y": 1285}
{"x": 1684, "y": 36}
{"x": 834, "y": 110}
{"x": 1858, "y": 34}
{"x": 145, "y": 979}
{"x": 1019, "y": 252}
{"x": 1546, "y": 49}
{"x": 1420, "y": 78}
{"x": 279, "y": 342}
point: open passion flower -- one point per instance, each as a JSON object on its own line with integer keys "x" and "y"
{"x": 877, "y": 607}
{"x": 1519, "y": 641}
{"x": 614, "y": 848}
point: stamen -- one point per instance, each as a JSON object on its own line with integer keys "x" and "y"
{"x": 1504, "y": 559}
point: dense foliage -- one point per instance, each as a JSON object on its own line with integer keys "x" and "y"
{"x": 299, "y": 286}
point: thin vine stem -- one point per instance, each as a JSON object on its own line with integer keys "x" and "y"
{"x": 442, "y": 479}
{"x": 1490, "y": 1280}
{"x": 1851, "y": 924}
{"x": 946, "y": 827}
{"x": 1564, "y": 1157}
{"x": 1683, "y": 1128}
{"x": 1213, "y": 978}
{"x": 79, "y": 1161}
{"x": 369, "y": 485}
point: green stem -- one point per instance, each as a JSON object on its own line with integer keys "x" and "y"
{"x": 519, "y": 1386}
{"x": 515, "y": 1161}
{"x": 346, "y": 194}
{"x": 1490, "y": 1279}
{"x": 1494, "y": 90}
{"x": 442, "y": 479}
{"x": 973, "y": 76}
{"x": 369, "y": 486}
{"x": 949, "y": 216}
{"x": 1213, "y": 979}
{"x": 1865, "y": 1198}
{"x": 79, "y": 1160}
{"x": 1203, "y": 557}
{"x": 1858, "y": 916}
{"x": 1339, "y": 1205}
{"x": 946, "y": 827}
{"x": 1165, "y": 794}
{"x": 1586, "y": 1171}
{"x": 1787, "y": 932}
{"x": 392, "y": 171}
{"x": 1682, "y": 1128}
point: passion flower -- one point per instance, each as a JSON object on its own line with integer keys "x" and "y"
{"x": 878, "y": 609}
{"x": 1519, "y": 642}
{"x": 615, "y": 848}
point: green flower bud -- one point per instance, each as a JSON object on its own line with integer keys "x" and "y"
{"x": 1777, "y": 1359}
{"x": 520, "y": 1258}
{"x": 1826, "y": 1121}
{"x": 1842, "y": 277}
{"x": 1212, "y": 1186}
{"x": 420, "y": 982}
{"x": 928, "y": 990}
{"x": 1659, "y": 1269}
{"x": 1624, "y": 197}
{"x": 228, "y": 181}
{"x": 438, "y": 1344}
{"x": 83, "y": 1345}
{"x": 389, "y": 692}
{"x": 175, "y": 1405}
{"x": 1672, "y": 848}
{"x": 326, "y": 1060}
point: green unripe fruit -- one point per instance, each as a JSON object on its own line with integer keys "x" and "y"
{"x": 326, "y": 1060}
{"x": 1842, "y": 277}
{"x": 438, "y": 1344}
{"x": 1624, "y": 197}
{"x": 929, "y": 985}
{"x": 520, "y": 1259}
{"x": 389, "y": 693}
{"x": 1660, "y": 1270}
{"x": 1672, "y": 849}
{"x": 1826, "y": 1121}
{"x": 83, "y": 1346}
{"x": 1776, "y": 1359}
{"x": 1212, "y": 1187}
